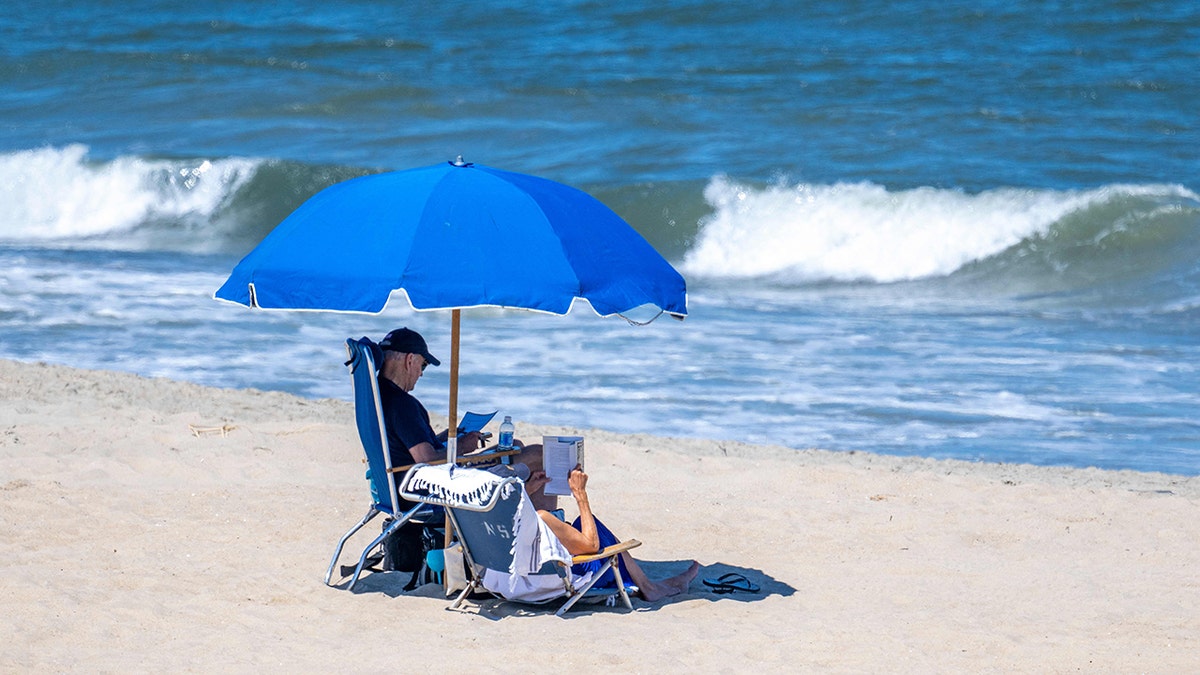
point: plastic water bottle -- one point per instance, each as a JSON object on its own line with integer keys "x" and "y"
{"x": 506, "y": 433}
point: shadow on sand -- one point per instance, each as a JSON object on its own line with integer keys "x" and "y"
{"x": 488, "y": 607}
{"x": 767, "y": 585}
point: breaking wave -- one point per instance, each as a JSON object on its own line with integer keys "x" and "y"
{"x": 854, "y": 232}
{"x": 61, "y": 197}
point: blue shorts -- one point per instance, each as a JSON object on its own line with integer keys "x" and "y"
{"x": 607, "y": 538}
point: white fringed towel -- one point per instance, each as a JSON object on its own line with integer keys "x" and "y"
{"x": 460, "y": 487}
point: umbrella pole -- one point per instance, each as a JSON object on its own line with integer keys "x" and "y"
{"x": 452, "y": 434}
{"x": 452, "y": 430}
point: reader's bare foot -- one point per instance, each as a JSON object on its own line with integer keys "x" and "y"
{"x": 657, "y": 590}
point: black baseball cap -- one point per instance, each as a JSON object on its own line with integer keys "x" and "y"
{"x": 408, "y": 342}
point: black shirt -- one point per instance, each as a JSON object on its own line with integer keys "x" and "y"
{"x": 406, "y": 421}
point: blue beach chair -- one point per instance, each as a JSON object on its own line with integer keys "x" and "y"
{"x": 368, "y": 412}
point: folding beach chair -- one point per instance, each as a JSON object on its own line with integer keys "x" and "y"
{"x": 500, "y": 531}
{"x": 368, "y": 412}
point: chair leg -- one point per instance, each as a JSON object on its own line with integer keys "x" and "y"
{"x": 471, "y": 585}
{"x": 621, "y": 586}
{"x": 579, "y": 592}
{"x": 337, "y": 552}
{"x": 396, "y": 523}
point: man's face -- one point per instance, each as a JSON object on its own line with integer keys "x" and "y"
{"x": 406, "y": 370}
{"x": 416, "y": 364}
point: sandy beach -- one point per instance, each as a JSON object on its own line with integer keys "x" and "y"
{"x": 152, "y": 525}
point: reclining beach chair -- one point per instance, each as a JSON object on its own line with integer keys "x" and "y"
{"x": 509, "y": 551}
{"x": 368, "y": 413}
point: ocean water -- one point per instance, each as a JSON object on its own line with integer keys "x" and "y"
{"x": 951, "y": 229}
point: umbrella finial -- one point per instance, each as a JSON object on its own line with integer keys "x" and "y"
{"x": 459, "y": 162}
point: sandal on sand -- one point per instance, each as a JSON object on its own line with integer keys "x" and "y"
{"x": 731, "y": 583}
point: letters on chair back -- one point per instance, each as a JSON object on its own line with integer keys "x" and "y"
{"x": 498, "y": 531}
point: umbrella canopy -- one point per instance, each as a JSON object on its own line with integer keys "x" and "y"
{"x": 455, "y": 235}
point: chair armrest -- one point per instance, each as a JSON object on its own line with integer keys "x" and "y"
{"x": 606, "y": 552}
{"x": 486, "y": 456}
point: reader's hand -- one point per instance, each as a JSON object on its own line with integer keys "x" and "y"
{"x": 578, "y": 481}
{"x": 537, "y": 481}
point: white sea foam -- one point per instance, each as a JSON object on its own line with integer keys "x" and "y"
{"x": 58, "y": 194}
{"x": 862, "y": 231}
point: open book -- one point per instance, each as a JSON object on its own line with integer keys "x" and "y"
{"x": 561, "y": 454}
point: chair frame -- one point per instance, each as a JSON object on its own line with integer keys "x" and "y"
{"x": 571, "y": 592}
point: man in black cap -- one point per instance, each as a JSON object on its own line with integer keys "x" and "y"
{"x": 410, "y": 435}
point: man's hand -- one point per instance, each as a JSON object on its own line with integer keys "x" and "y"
{"x": 469, "y": 442}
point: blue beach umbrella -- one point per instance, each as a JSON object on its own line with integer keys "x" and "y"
{"x": 453, "y": 236}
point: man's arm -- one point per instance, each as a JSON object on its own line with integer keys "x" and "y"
{"x": 468, "y": 442}
{"x": 425, "y": 452}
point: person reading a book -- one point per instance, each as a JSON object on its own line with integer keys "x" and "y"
{"x": 410, "y": 435}
{"x": 588, "y": 535}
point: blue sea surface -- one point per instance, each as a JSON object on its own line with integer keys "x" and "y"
{"x": 962, "y": 230}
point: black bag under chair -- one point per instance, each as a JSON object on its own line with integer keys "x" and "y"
{"x": 404, "y": 550}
